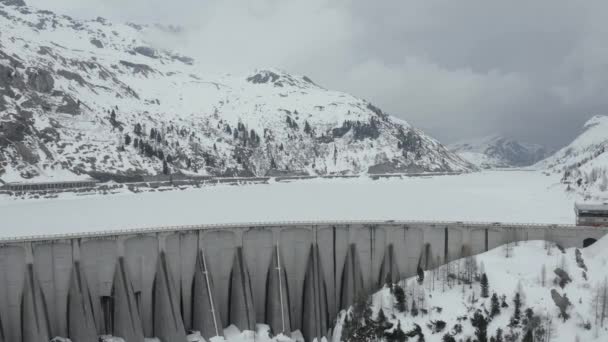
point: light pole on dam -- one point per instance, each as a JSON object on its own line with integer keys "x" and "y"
{"x": 165, "y": 282}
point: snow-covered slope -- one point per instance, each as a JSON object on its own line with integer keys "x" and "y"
{"x": 94, "y": 97}
{"x": 498, "y": 152}
{"x": 446, "y": 296}
{"x": 583, "y": 164}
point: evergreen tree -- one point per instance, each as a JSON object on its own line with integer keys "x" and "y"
{"x": 448, "y": 338}
{"x": 528, "y": 337}
{"x": 495, "y": 307}
{"x": 307, "y": 128}
{"x": 481, "y": 327}
{"x": 517, "y": 311}
{"x": 498, "y": 337}
{"x": 137, "y": 129}
{"x": 484, "y": 286}
{"x": 420, "y": 273}
{"x": 400, "y": 303}
{"x": 397, "y": 335}
{"x": 165, "y": 168}
{"x": 414, "y": 310}
{"x": 381, "y": 324}
{"x": 113, "y": 117}
{"x": 503, "y": 302}
{"x": 127, "y": 140}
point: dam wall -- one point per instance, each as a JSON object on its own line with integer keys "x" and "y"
{"x": 165, "y": 282}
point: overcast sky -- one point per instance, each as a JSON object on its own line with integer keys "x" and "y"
{"x": 533, "y": 70}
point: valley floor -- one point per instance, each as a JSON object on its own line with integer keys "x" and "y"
{"x": 492, "y": 196}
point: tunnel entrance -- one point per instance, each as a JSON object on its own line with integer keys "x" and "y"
{"x": 588, "y": 242}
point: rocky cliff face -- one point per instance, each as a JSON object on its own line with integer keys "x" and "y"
{"x": 92, "y": 97}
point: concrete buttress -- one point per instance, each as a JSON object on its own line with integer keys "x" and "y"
{"x": 205, "y": 316}
{"x": 2, "y": 338}
{"x": 315, "y": 316}
{"x": 81, "y": 322}
{"x": 242, "y": 311}
{"x": 168, "y": 324}
{"x": 352, "y": 278}
{"x": 389, "y": 267}
{"x": 277, "y": 296}
{"x": 34, "y": 314}
{"x": 126, "y": 320}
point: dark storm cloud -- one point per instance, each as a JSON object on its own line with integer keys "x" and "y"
{"x": 534, "y": 70}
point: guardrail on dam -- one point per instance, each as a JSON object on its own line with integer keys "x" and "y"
{"x": 165, "y": 281}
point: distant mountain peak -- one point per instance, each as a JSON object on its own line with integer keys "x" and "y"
{"x": 498, "y": 151}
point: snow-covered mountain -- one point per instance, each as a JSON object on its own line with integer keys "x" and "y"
{"x": 93, "y": 97}
{"x": 562, "y": 296}
{"x": 583, "y": 164}
{"x": 498, "y": 152}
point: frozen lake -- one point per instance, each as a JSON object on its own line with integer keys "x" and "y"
{"x": 493, "y": 196}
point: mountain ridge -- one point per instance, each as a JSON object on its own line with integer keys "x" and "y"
{"x": 497, "y": 151}
{"x": 583, "y": 164}
{"x": 92, "y": 97}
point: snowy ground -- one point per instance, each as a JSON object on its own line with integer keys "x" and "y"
{"x": 505, "y": 196}
{"x": 506, "y": 276}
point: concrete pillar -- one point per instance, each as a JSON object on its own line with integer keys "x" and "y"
{"x": 141, "y": 257}
{"x": 168, "y": 324}
{"x": 12, "y": 276}
{"x": 2, "y": 336}
{"x": 35, "y": 326}
{"x": 388, "y": 267}
{"x": 205, "y": 315}
{"x": 127, "y": 322}
{"x": 242, "y": 311}
{"x": 181, "y": 250}
{"x": 352, "y": 278}
{"x": 81, "y": 322}
{"x": 219, "y": 247}
{"x": 98, "y": 262}
{"x": 295, "y": 248}
{"x": 53, "y": 265}
{"x": 277, "y": 297}
{"x": 315, "y": 315}
{"x": 258, "y": 246}
{"x": 332, "y": 249}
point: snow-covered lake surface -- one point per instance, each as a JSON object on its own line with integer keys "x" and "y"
{"x": 492, "y": 196}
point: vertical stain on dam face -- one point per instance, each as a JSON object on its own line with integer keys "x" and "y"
{"x": 315, "y": 318}
{"x": 242, "y": 311}
{"x": 389, "y": 270}
{"x": 205, "y": 316}
{"x": 82, "y": 326}
{"x": 278, "y": 315}
{"x": 125, "y": 318}
{"x": 352, "y": 278}
{"x": 168, "y": 324}
{"x": 34, "y": 313}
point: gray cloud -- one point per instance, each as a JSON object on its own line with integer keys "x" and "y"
{"x": 534, "y": 70}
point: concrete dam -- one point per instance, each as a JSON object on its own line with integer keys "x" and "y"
{"x": 164, "y": 282}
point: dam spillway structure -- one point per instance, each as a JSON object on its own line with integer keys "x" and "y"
{"x": 167, "y": 281}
